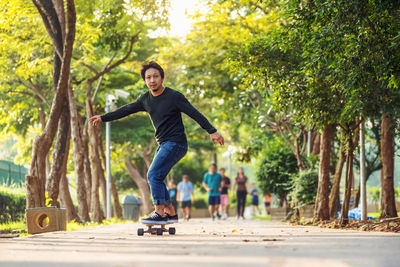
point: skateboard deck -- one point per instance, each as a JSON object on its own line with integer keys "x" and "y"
{"x": 159, "y": 230}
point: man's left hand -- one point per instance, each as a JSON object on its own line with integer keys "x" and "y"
{"x": 216, "y": 137}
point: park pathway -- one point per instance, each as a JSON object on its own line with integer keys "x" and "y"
{"x": 202, "y": 242}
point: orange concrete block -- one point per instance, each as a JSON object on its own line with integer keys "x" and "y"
{"x": 46, "y": 219}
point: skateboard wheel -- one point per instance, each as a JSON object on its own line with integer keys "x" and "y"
{"x": 140, "y": 231}
{"x": 159, "y": 231}
{"x": 171, "y": 230}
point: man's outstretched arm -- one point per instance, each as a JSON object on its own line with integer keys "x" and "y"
{"x": 187, "y": 108}
{"x": 117, "y": 114}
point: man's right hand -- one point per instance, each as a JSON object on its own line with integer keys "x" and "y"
{"x": 208, "y": 189}
{"x": 95, "y": 120}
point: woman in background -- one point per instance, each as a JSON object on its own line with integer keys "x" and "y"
{"x": 242, "y": 184}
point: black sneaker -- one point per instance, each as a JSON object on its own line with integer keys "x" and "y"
{"x": 154, "y": 218}
{"x": 172, "y": 219}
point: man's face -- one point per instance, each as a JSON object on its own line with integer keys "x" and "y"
{"x": 153, "y": 79}
{"x": 212, "y": 169}
{"x": 222, "y": 172}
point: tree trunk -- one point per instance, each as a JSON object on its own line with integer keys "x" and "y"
{"x": 87, "y": 169}
{"x": 32, "y": 191}
{"x": 43, "y": 142}
{"x": 300, "y": 162}
{"x": 322, "y": 200}
{"x": 141, "y": 184}
{"x": 316, "y": 144}
{"x": 388, "y": 202}
{"x": 95, "y": 164}
{"x": 65, "y": 196}
{"x": 114, "y": 192}
{"x": 347, "y": 191}
{"x": 53, "y": 180}
{"x": 102, "y": 178}
{"x": 334, "y": 195}
{"x": 97, "y": 170}
{"x": 79, "y": 157}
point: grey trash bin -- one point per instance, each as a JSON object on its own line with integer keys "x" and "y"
{"x": 130, "y": 207}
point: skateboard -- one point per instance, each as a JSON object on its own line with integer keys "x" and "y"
{"x": 156, "y": 230}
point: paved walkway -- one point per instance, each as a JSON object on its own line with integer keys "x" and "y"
{"x": 202, "y": 242}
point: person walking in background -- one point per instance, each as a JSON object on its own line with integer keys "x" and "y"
{"x": 172, "y": 193}
{"x": 226, "y": 184}
{"x": 242, "y": 185}
{"x": 267, "y": 203}
{"x": 185, "y": 196}
{"x": 212, "y": 183}
{"x": 254, "y": 200}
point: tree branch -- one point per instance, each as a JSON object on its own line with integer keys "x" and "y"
{"x": 101, "y": 78}
{"x": 119, "y": 62}
{"x": 256, "y": 5}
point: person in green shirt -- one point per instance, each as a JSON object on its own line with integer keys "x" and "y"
{"x": 212, "y": 183}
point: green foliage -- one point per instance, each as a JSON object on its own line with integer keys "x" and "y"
{"x": 278, "y": 164}
{"x": 373, "y": 194}
{"x": 190, "y": 166}
{"x": 305, "y": 186}
{"x": 200, "y": 202}
{"x": 12, "y": 205}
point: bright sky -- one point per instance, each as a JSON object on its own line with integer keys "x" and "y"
{"x": 180, "y": 23}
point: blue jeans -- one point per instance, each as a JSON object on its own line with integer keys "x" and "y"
{"x": 166, "y": 156}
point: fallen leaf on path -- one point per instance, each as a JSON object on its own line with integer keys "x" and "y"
{"x": 234, "y": 231}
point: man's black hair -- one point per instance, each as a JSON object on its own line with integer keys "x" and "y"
{"x": 149, "y": 65}
{"x": 213, "y": 164}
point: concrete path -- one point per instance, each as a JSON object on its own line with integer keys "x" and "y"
{"x": 202, "y": 242}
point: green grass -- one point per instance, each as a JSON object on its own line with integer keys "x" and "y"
{"x": 17, "y": 189}
{"x": 12, "y": 226}
{"x": 263, "y": 217}
{"x": 71, "y": 226}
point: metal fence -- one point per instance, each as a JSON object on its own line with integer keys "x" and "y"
{"x": 11, "y": 173}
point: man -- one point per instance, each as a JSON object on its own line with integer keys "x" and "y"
{"x": 185, "y": 196}
{"x": 164, "y": 105}
{"x": 212, "y": 183}
{"x": 226, "y": 184}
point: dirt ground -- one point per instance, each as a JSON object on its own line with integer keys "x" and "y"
{"x": 202, "y": 242}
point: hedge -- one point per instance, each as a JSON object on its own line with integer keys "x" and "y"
{"x": 12, "y": 206}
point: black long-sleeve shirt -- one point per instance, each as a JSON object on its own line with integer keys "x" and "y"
{"x": 165, "y": 113}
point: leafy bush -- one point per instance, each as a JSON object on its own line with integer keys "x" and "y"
{"x": 12, "y": 206}
{"x": 373, "y": 194}
{"x": 194, "y": 168}
{"x": 274, "y": 175}
{"x": 200, "y": 203}
{"x": 305, "y": 186}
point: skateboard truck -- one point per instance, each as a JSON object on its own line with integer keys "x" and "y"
{"x": 156, "y": 230}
